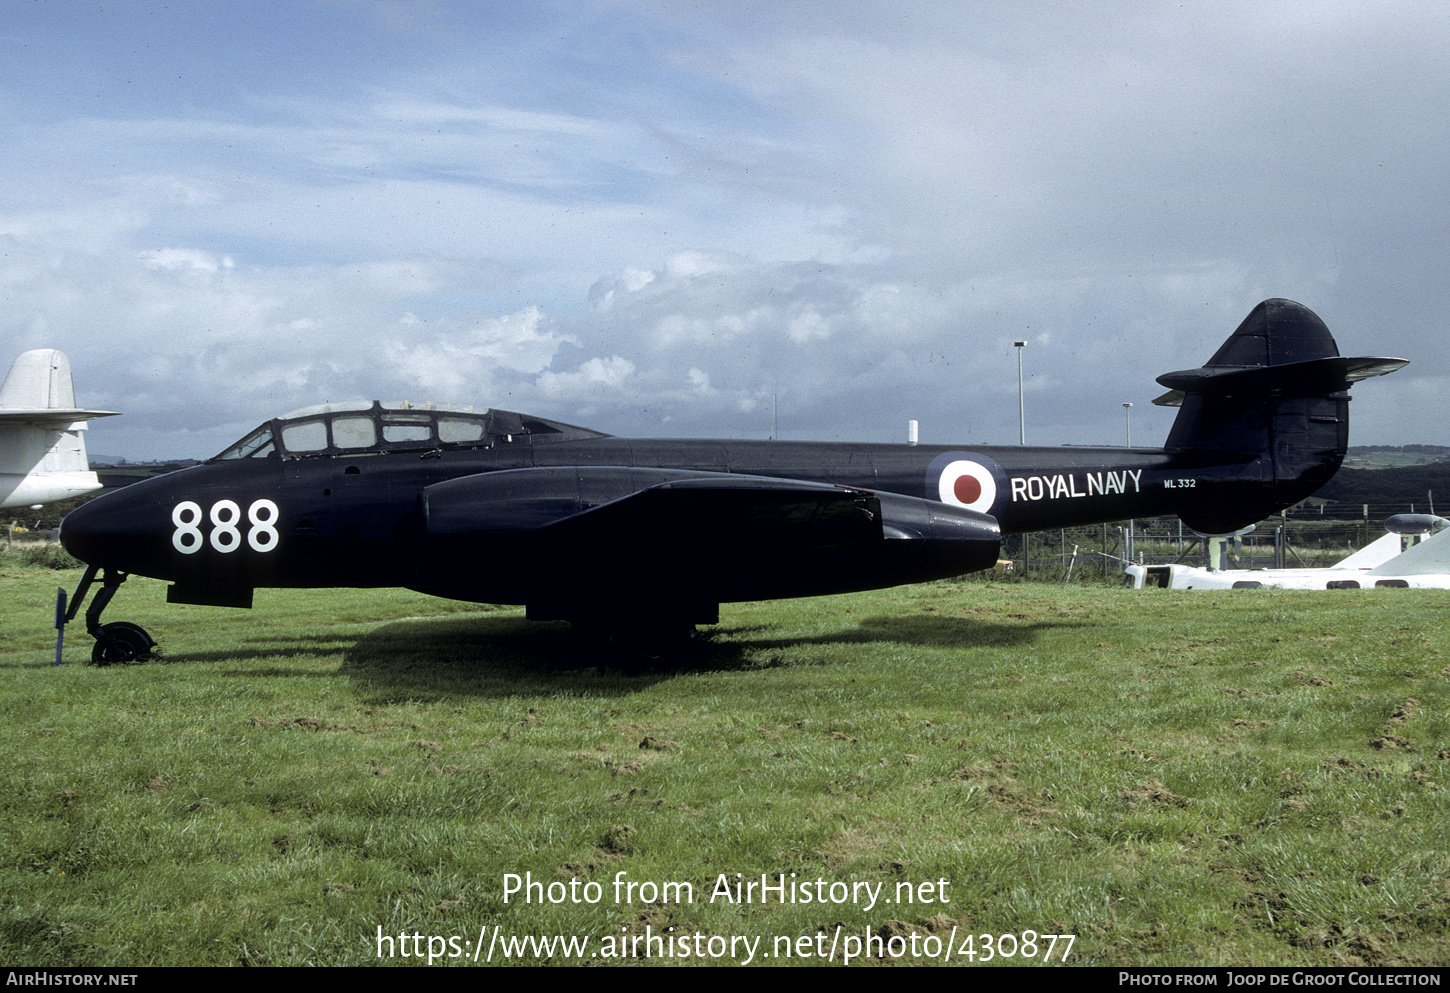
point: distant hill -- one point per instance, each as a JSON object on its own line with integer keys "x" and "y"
{"x": 1393, "y": 456}
{"x": 1388, "y": 490}
{"x": 155, "y": 467}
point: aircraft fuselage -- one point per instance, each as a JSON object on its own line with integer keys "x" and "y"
{"x": 220, "y": 529}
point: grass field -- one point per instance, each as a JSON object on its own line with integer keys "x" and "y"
{"x": 1247, "y": 778}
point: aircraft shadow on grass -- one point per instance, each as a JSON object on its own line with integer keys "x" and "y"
{"x": 509, "y": 656}
{"x": 924, "y": 631}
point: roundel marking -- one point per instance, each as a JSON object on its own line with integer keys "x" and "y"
{"x": 969, "y": 484}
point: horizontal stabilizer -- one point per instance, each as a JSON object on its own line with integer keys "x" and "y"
{"x": 1282, "y": 349}
{"x": 1313, "y": 378}
{"x": 53, "y": 416}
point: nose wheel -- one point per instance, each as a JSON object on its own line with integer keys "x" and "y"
{"x": 120, "y": 642}
{"x": 117, "y": 642}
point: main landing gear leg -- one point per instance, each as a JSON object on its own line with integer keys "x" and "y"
{"x": 119, "y": 641}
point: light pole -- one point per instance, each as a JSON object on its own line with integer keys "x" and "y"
{"x": 1021, "y": 410}
{"x": 1128, "y": 426}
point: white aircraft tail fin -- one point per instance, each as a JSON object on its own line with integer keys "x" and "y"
{"x": 1429, "y": 557}
{"x": 42, "y": 452}
{"x": 39, "y": 380}
{"x": 1376, "y": 553}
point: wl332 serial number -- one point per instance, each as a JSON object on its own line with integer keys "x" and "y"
{"x": 226, "y": 519}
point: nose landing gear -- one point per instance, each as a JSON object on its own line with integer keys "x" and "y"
{"x": 119, "y": 641}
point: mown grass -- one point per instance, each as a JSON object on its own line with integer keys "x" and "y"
{"x": 1256, "y": 777}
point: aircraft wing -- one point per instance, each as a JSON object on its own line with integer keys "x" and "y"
{"x": 609, "y": 532}
{"x": 722, "y": 512}
{"x": 591, "y": 506}
{"x": 599, "y": 502}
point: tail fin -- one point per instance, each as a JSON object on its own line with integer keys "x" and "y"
{"x": 42, "y": 454}
{"x": 1276, "y": 393}
{"x": 1429, "y": 558}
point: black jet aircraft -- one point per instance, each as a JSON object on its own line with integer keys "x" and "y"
{"x": 499, "y": 507}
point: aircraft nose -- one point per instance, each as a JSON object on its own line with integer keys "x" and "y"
{"x": 82, "y": 528}
{"x": 157, "y": 528}
{"x": 117, "y": 530}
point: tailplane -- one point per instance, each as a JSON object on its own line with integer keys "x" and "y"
{"x": 1276, "y": 394}
{"x": 42, "y": 453}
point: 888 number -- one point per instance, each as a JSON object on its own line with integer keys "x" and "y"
{"x": 226, "y": 523}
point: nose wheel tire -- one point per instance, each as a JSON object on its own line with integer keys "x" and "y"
{"x": 121, "y": 642}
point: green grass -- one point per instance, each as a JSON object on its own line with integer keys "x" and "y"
{"x": 35, "y": 555}
{"x": 1250, "y": 778}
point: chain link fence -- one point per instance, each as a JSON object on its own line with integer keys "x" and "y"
{"x": 1100, "y": 552}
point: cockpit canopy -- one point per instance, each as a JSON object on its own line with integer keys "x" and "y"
{"x": 335, "y": 429}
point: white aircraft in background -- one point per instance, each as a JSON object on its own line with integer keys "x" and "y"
{"x": 42, "y": 453}
{"x": 1415, "y": 554}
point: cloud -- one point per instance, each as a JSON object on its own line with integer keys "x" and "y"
{"x": 185, "y": 258}
{"x": 594, "y": 380}
{"x": 706, "y": 208}
{"x": 478, "y": 362}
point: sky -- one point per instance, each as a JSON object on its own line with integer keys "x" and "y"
{"x": 672, "y": 219}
